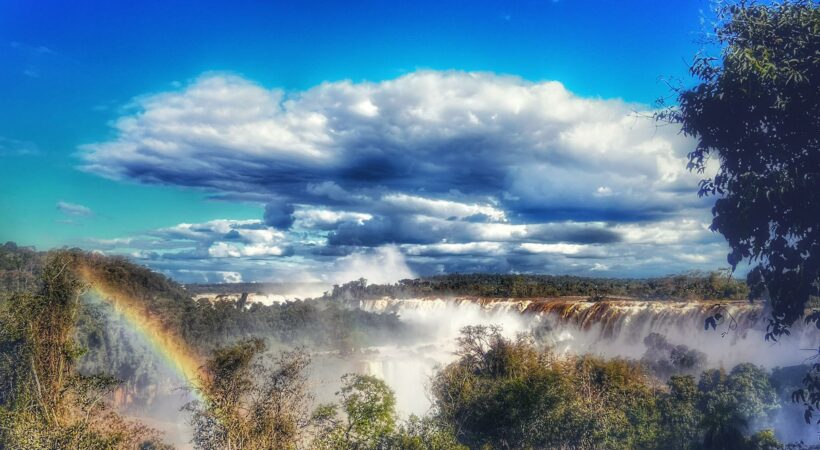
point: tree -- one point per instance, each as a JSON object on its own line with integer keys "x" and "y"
{"x": 731, "y": 403}
{"x": 680, "y": 417}
{"x": 764, "y": 440}
{"x": 369, "y": 415}
{"x": 757, "y": 109}
{"x": 424, "y": 433}
{"x": 249, "y": 403}
{"x": 45, "y": 403}
{"x": 507, "y": 394}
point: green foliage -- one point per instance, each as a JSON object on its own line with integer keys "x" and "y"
{"x": 18, "y": 268}
{"x": 692, "y": 286}
{"x": 764, "y": 440}
{"x": 730, "y": 403}
{"x": 508, "y": 394}
{"x": 756, "y": 109}
{"x": 424, "y": 433}
{"x": 250, "y": 403}
{"x": 369, "y": 406}
{"x": 679, "y": 415}
{"x": 368, "y": 421}
{"x": 45, "y": 403}
{"x": 369, "y": 415}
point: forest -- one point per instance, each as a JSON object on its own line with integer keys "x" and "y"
{"x": 691, "y": 286}
{"x": 499, "y": 392}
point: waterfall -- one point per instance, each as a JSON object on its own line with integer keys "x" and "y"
{"x": 613, "y": 327}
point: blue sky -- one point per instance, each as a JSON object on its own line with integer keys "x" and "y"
{"x": 307, "y": 140}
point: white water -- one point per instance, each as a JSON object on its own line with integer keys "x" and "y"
{"x": 616, "y": 329}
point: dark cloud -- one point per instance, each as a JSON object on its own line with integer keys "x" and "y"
{"x": 461, "y": 171}
{"x": 381, "y": 230}
{"x": 278, "y": 215}
{"x": 427, "y": 133}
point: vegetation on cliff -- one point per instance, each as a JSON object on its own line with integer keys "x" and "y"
{"x": 691, "y": 286}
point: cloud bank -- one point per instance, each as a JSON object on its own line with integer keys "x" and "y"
{"x": 454, "y": 171}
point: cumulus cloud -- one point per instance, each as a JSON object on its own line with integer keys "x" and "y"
{"x": 442, "y": 208}
{"x": 327, "y": 219}
{"x": 565, "y": 249}
{"x": 456, "y": 171}
{"x": 214, "y": 239}
{"x": 533, "y": 147}
{"x": 469, "y": 248}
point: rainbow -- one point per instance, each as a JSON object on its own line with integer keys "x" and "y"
{"x": 177, "y": 355}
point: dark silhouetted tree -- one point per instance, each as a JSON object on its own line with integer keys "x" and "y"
{"x": 757, "y": 110}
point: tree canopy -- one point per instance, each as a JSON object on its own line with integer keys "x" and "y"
{"x": 756, "y": 109}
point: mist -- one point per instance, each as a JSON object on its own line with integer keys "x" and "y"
{"x": 571, "y": 327}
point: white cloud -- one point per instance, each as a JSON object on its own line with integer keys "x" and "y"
{"x": 327, "y": 218}
{"x": 693, "y": 258}
{"x": 452, "y": 133}
{"x": 73, "y": 209}
{"x": 442, "y": 208}
{"x": 227, "y": 250}
{"x": 665, "y": 232}
{"x": 231, "y": 277}
{"x": 460, "y": 170}
{"x": 469, "y": 248}
{"x": 384, "y": 264}
{"x": 564, "y": 249}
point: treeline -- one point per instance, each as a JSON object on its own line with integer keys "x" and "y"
{"x": 250, "y": 288}
{"x": 691, "y": 286}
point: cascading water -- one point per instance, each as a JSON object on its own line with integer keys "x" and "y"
{"x": 608, "y": 328}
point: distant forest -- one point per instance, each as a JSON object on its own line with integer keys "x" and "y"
{"x": 18, "y": 266}
{"x": 693, "y": 286}
{"x": 250, "y": 288}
